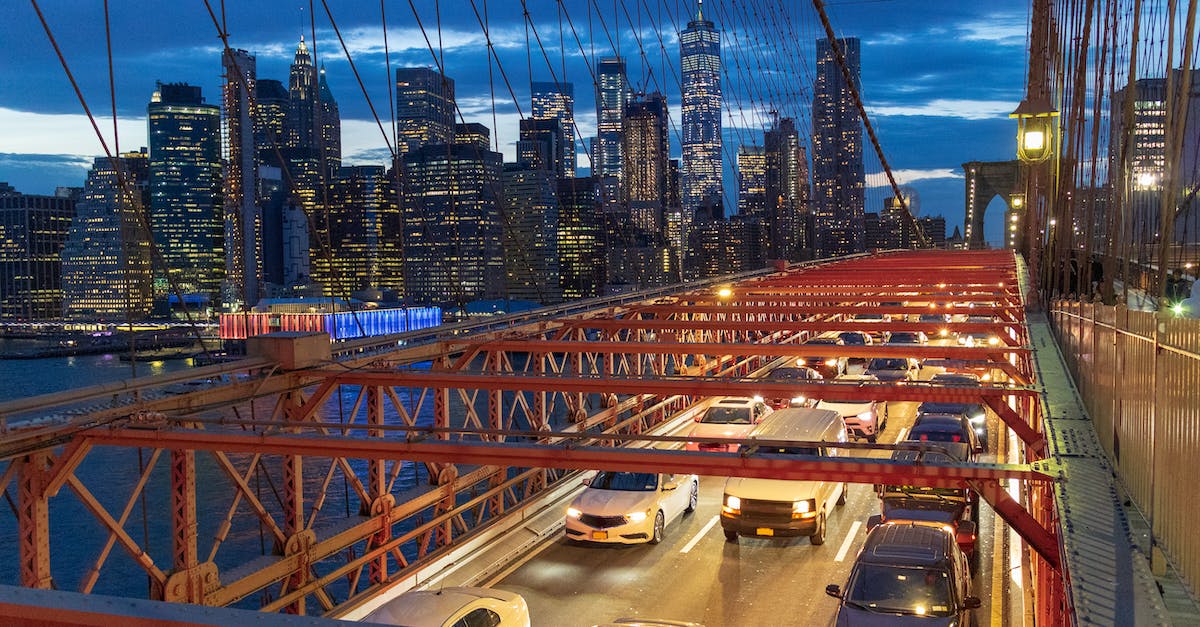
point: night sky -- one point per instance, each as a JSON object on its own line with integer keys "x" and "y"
{"x": 939, "y": 76}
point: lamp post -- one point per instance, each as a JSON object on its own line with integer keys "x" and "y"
{"x": 1037, "y": 146}
{"x": 1036, "y": 133}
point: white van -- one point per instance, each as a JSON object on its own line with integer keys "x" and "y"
{"x": 779, "y": 508}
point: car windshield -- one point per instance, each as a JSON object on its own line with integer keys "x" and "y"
{"x": 887, "y": 363}
{"x": 627, "y": 481}
{"x": 793, "y": 374}
{"x": 868, "y": 316}
{"x": 933, "y": 318}
{"x": 788, "y": 450}
{"x": 908, "y": 338}
{"x": 727, "y": 416}
{"x": 852, "y": 338}
{"x": 901, "y": 590}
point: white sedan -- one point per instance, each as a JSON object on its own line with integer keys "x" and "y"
{"x": 453, "y": 607}
{"x": 630, "y": 507}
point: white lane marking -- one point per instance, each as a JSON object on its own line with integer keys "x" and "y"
{"x": 900, "y": 436}
{"x": 841, "y": 555}
{"x": 695, "y": 539}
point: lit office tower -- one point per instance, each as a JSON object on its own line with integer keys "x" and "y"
{"x": 302, "y": 127}
{"x": 364, "y": 233}
{"x": 185, "y": 190}
{"x": 424, "y": 108}
{"x": 645, "y": 151}
{"x": 837, "y": 153}
{"x": 581, "y": 250}
{"x": 270, "y": 125}
{"x": 612, "y": 94}
{"x": 34, "y": 229}
{"x": 786, "y": 189}
{"x": 243, "y": 218}
{"x": 752, "y": 181}
{"x": 700, "y": 58}
{"x": 106, "y": 259}
{"x": 556, "y": 101}
{"x": 452, "y": 225}
{"x": 541, "y": 145}
{"x": 331, "y": 126}
{"x": 530, "y": 227}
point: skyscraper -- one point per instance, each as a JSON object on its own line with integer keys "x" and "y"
{"x": 531, "y": 234}
{"x": 612, "y": 94}
{"x": 541, "y": 144}
{"x": 243, "y": 218}
{"x": 185, "y": 190}
{"x": 303, "y": 130}
{"x": 106, "y": 259}
{"x": 34, "y": 229}
{"x": 424, "y": 108}
{"x": 786, "y": 190}
{"x": 556, "y": 101}
{"x": 270, "y": 125}
{"x": 581, "y": 248}
{"x": 452, "y": 226}
{"x": 331, "y": 126}
{"x": 838, "y": 176}
{"x": 645, "y": 150}
{"x": 752, "y": 181}
{"x": 364, "y": 233}
{"x": 700, "y": 59}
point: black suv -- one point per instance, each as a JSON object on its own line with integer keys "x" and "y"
{"x": 907, "y": 571}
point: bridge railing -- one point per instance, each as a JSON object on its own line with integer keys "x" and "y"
{"x": 1138, "y": 373}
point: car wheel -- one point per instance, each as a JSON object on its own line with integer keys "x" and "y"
{"x": 818, "y": 537}
{"x": 872, "y": 438}
{"x": 842, "y": 497}
{"x": 693, "y": 498}
{"x": 730, "y": 536}
{"x": 659, "y": 522}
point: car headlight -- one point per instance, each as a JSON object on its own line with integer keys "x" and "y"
{"x": 944, "y": 332}
{"x": 733, "y": 502}
{"x": 866, "y": 416}
{"x": 986, "y": 377}
{"x": 574, "y": 513}
{"x": 636, "y": 516}
{"x": 831, "y": 362}
{"x": 804, "y": 509}
{"x": 798, "y": 400}
{"x": 977, "y": 418}
{"x": 800, "y": 507}
{"x": 800, "y": 362}
{"x": 992, "y": 341}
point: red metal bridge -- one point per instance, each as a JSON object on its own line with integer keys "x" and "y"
{"x": 307, "y": 482}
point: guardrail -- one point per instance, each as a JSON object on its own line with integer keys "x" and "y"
{"x": 1138, "y": 374}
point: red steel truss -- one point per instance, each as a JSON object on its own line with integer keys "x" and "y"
{"x": 435, "y": 441}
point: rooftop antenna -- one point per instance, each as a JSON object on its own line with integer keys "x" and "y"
{"x": 699, "y": 10}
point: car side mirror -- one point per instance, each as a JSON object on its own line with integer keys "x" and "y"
{"x": 874, "y": 521}
{"x": 835, "y": 591}
{"x": 969, "y": 603}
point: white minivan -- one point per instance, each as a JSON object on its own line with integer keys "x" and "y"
{"x": 782, "y": 508}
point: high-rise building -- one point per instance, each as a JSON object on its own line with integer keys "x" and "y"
{"x": 331, "y": 126}
{"x": 720, "y": 247}
{"x": 752, "y": 180}
{"x": 556, "y": 101}
{"x": 303, "y": 128}
{"x": 838, "y": 176}
{"x": 270, "y": 125}
{"x": 785, "y": 182}
{"x": 34, "y": 229}
{"x": 541, "y": 144}
{"x": 286, "y": 237}
{"x": 935, "y": 229}
{"x": 646, "y": 153}
{"x": 364, "y": 233}
{"x": 186, "y": 208}
{"x": 243, "y": 218}
{"x": 106, "y": 258}
{"x": 531, "y": 234}
{"x": 612, "y": 95}
{"x": 581, "y": 249}
{"x": 700, "y": 61}
{"x": 473, "y": 134}
{"x": 894, "y": 217}
{"x": 424, "y": 108}
{"x": 453, "y": 252}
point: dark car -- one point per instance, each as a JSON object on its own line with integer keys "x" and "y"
{"x": 907, "y": 337}
{"x": 793, "y": 373}
{"x": 828, "y": 363}
{"x": 893, "y": 368}
{"x": 976, "y": 413}
{"x": 856, "y": 338}
{"x": 908, "y": 573}
{"x": 952, "y": 428}
{"x": 957, "y": 507}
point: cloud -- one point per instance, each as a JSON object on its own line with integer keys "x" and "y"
{"x": 1002, "y": 29}
{"x": 905, "y": 177}
{"x": 948, "y": 108}
{"x": 65, "y": 133}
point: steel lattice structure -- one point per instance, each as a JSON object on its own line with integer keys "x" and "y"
{"x": 491, "y": 420}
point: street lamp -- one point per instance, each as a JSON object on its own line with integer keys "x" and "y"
{"x": 1035, "y": 129}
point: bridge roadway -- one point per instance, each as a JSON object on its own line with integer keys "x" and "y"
{"x": 695, "y": 575}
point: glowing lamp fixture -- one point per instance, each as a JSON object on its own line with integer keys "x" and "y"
{"x": 1035, "y": 129}
{"x": 725, "y": 292}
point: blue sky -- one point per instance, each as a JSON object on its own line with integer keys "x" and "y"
{"x": 939, "y": 77}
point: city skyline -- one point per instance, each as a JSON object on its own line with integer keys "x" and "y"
{"x": 919, "y": 104}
